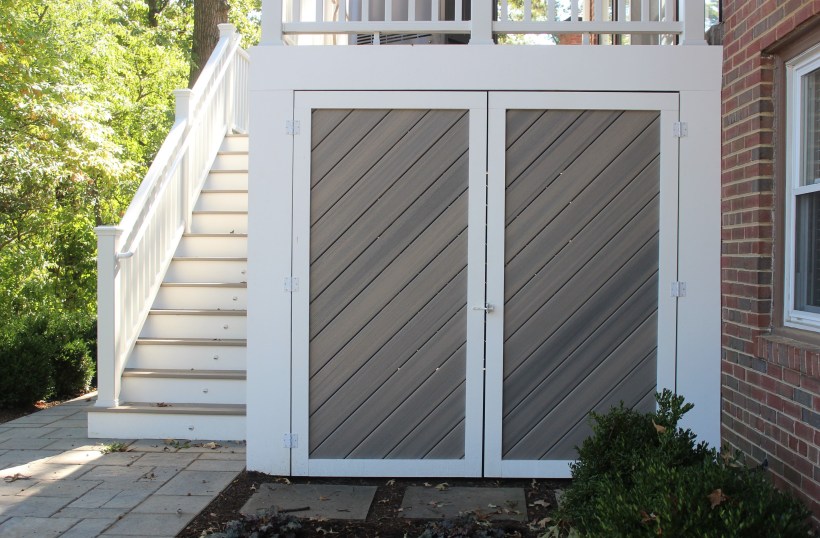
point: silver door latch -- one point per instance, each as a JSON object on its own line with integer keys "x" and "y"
{"x": 488, "y": 308}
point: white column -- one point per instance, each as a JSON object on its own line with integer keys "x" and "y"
{"x": 271, "y": 22}
{"x": 183, "y": 113}
{"x": 693, "y": 15}
{"x": 481, "y": 23}
{"x": 108, "y": 316}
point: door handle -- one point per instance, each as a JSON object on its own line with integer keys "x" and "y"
{"x": 488, "y": 308}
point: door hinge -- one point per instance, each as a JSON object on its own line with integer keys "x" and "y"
{"x": 678, "y": 289}
{"x": 290, "y": 440}
{"x": 680, "y": 129}
{"x": 293, "y": 127}
{"x": 291, "y": 284}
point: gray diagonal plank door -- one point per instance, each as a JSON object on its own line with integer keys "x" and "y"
{"x": 575, "y": 252}
{"x": 390, "y": 252}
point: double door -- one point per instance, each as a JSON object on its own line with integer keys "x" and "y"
{"x": 478, "y": 272}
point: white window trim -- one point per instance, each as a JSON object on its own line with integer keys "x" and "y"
{"x": 802, "y": 64}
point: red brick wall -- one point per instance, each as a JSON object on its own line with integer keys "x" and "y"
{"x": 770, "y": 384}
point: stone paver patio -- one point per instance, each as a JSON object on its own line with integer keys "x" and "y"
{"x": 67, "y": 486}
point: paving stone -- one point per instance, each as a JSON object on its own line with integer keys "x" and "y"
{"x": 95, "y": 498}
{"x": 197, "y": 483}
{"x": 88, "y": 527}
{"x": 159, "y": 459}
{"x": 84, "y": 443}
{"x": 329, "y": 501}
{"x": 25, "y": 431}
{"x": 220, "y": 446}
{"x": 216, "y": 465}
{"x": 15, "y": 458}
{"x": 31, "y": 506}
{"x": 149, "y": 525}
{"x": 127, "y": 499}
{"x": 430, "y": 503}
{"x": 240, "y": 456}
{"x": 36, "y": 418}
{"x": 92, "y": 513}
{"x": 25, "y": 527}
{"x": 71, "y": 422}
{"x": 159, "y": 475}
{"x": 13, "y": 488}
{"x": 77, "y": 457}
{"x": 173, "y": 504}
{"x": 151, "y": 445}
{"x": 67, "y": 433}
{"x": 116, "y": 473}
{"x": 59, "y": 488}
{"x": 48, "y": 471}
{"x": 25, "y": 443}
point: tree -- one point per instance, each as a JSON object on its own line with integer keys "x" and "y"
{"x": 207, "y": 15}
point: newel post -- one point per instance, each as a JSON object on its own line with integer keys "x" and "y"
{"x": 109, "y": 315}
{"x": 693, "y": 14}
{"x": 183, "y": 114}
{"x": 481, "y": 22}
{"x": 227, "y": 32}
{"x": 271, "y": 23}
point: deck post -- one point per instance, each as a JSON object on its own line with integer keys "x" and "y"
{"x": 693, "y": 15}
{"x": 109, "y": 311}
{"x": 183, "y": 114}
{"x": 272, "y": 22}
{"x": 481, "y": 23}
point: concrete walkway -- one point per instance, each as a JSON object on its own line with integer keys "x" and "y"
{"x": 57, "y": 482}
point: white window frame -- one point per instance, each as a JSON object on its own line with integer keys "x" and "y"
{"x": 796, "y": 68}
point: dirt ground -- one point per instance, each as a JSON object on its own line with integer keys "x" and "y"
{"x": 7, "y": 415}
{"x": 384, "y": 518}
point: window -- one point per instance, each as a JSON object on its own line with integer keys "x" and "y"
{"x": 802, "y": 273}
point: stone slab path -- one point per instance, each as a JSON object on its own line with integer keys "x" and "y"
{"x": 495, "y": 503}
{"x": 316, "y": 501}
{"x": 57, "y": 482}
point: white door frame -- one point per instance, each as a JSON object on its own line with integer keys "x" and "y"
{"x": 476, "y": 103}
{"x": 499, "y": 102}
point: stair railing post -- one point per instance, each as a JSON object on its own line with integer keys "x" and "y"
{"x": 227, "y": 32}
{"x": 481, "y": 22}
{"x": 693, "y": 13}
{"x": 271, "y": 22}
{"x": 183, "y": 114}
{"x": 109, "y": 316}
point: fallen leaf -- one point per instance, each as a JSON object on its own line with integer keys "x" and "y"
{"x": 391, "y": 482}
{"x": 323, "y": 498}
{"x": 428, "y": 485}
{"x": 646, "y": 518}
{"x": 399, "y": 509}
{"x": 442, "y": 486}
{"x": 492, "y": 505}
{"x": 543, "y": 522}
{"x": 658, "y": 427}
{"x": 169, "y": 441}
{"x": 15, "y": 477}
{"x": 541, "y": 502}
{"x": 716, "y": 497}
{"x": 283, "y": 480}
{"x": 211, "y": 445}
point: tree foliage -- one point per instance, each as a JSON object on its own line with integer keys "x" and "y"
{"x": 85, "y": 102}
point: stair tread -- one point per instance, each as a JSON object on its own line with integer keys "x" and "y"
{"x": 205, "y": 284}
{"x": 232, "y": 152}
{"x": 197, "y": 312}
{"x": 224, "y": 191}
{"x": 191, "y": 373}
{"x": 211, "y": 258}
{"x": 174, "y": 408}
{"x": 229, "y": 171}
{"x": 220, "y": 212}
{"x": 226, "y": 342}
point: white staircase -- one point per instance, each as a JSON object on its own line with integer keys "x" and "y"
{"x": 185, "y": 377}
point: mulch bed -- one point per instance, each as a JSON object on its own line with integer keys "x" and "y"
{"x": 7, "y": 415}
{"x": 384, "y": 518}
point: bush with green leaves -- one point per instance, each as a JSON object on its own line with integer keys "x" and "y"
{"x": 265, "y": 524}
{"x": 465, "y": 526}
{"x": 643, "y": 475}
{"x": 46, "y": 355}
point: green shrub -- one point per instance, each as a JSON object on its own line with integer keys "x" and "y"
{"x": 25, "y": 363}
{"x": 642, "y": 475}
{"x": 45, "y": 356}
{"x": 465, "y": 526}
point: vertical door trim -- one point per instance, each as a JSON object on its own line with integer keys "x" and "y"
{"x": 305, "y": 102}
{"x": 499, "y": 103}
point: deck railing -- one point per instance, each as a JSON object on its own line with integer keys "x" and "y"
{"x": 133, "y": 256}
{"x": 483, "y": 21}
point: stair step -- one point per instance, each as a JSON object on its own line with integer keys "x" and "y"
{"x": 223, "y": 222}
{"x": 222, "y": 201}
{"x": 207, "y": 269}
{"x": 186, "y": 420}
{"x": 226, "y": 179}
{"x": 231, "y": 161}
{"x": 178, "y": 386}
{"x": 184, "y": 374}
{"x": 204, "y": 324}
{"x": 195, "y": 245}
{"x": 235, "y": 142}
{"x": 181, "y": 353}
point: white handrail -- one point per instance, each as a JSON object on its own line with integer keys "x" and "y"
{"x": 132, "y": 257}
{"x": 385, "y": 17}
